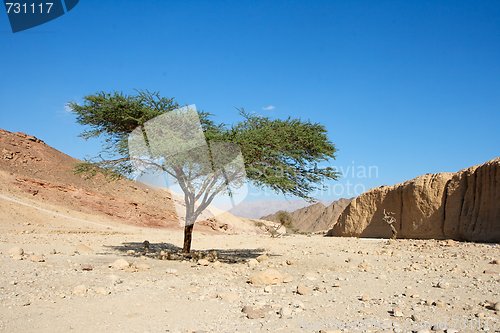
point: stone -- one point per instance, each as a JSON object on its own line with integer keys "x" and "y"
{"x": 311, "y": 276}
{"x": 396, "y": 312}
{"x": 262, "y": 258}
{"x": 87, "y": 267}
{"x": 443, "y": 285}
{"x": 80, "y": 290}
{"x": 252, "y": 312}
{"x": 15, "y": 251}
{"x": 298, "y": 306}
{"x": 120, "y": 264}
{"x": 172, "y": 271}
{"x": 268, "y": 289}
{"x": 269, "y": 276}
{"x": 438, "y": 328}
{"x": 281, "y": 230}
{"x": 303, "y": 289}
{"x": 285, "y": 312}
{"x": 37, "y": 258}
{"x": 115, "y": 279}
{"x": 83, "y": 249}
{"x": 101, "y": 291}
{"x": 491, "y": 272}
{"x": 203, "y": 262}
{"x": 364, "y": 266}
{"x": 228, "y": 296}
{"x": 252, "y": 263}
{"x": 439, "y": 303}
{"x": 450, "y": 243}
{"x": 131, "y": 269}
{"x": 142, "y": 266}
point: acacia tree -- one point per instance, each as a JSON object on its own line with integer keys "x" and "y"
{"x": 289, "y": 156}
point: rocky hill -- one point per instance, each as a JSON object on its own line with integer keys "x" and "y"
{"x": 462, "y": 206}
{"x": 330, "y": 215}
{"x": 32, "y": 170}
{"x": 314, "y": 218}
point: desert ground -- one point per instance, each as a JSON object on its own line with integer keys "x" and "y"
{"x": 76, "y": 272}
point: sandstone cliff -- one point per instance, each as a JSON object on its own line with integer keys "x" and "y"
{"x": 463, "y": 206}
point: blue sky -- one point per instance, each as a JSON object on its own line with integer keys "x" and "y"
{"x": 408, "y": 87}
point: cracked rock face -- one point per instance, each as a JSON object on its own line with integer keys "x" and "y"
{"x": 463, "y": 205}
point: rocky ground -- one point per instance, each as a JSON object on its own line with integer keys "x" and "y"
{"x": 86, "y": 276}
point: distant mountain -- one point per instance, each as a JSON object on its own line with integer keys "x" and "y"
{"x": 258, "y": 208}
{"x": 330, "y": 215}
{"x": 314, "y": 218}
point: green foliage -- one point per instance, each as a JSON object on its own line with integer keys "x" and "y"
{"x": 114, "y": 116}
{"x": 285, "y": 155}
{"x": 289, "y": 156}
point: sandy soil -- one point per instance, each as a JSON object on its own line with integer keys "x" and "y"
{"x": 63, "y": 281}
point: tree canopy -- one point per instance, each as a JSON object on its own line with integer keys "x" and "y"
{"x": 289, "y": 156}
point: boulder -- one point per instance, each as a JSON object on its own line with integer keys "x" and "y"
{"x": 252, "y": 263}
{"x": 203, "y": 262}
{"x": 302, "y": 289}
{"x": 269, "y": 276}
{"x": 253, "y": 312}
{"x": 15, "y": 251}
{"x": 37, "y": 258}
{"x": 83, "y": 249}
{"x": 120, "y": 264}
{"x": 101, "y": 291}
{"x": 80, "y": 290}
{"x": 262, "y": 258}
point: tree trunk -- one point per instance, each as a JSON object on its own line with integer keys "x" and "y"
{"x": 188, "y": 236}
{"x": 189, "y": 222}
